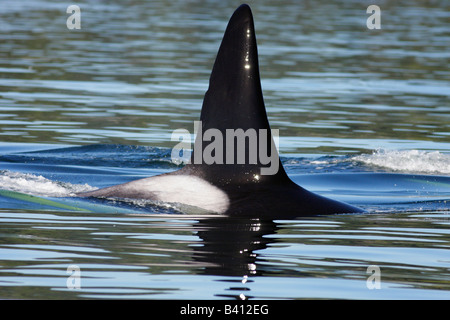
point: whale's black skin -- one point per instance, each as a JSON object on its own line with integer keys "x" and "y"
{"x": 234, "y": 100}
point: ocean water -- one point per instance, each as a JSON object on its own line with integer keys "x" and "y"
{"x": 363, "y": 114}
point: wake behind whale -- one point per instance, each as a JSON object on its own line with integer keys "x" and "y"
{"x": 248, "y": 180}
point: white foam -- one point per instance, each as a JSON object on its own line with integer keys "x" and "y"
{"x": 410, "y": 161}
{"x": 38, "y": 185}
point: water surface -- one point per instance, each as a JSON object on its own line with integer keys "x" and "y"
{"x": 363, "y": 117}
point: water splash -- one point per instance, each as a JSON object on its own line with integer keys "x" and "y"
{"x": 410, "y": 161}
{"x": 39, "y": 185}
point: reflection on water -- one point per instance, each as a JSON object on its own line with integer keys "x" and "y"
{"x": 230, "y": 245}
{"x": 176, "y": 257}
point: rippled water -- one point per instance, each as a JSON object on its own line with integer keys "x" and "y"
{"x": 207, "y": 258}
{"x": 363, "y": 117}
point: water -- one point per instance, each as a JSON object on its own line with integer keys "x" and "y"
{"x": 363, "y": 117}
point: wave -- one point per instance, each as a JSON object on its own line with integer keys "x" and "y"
{"x": 38, "y": 185}
{"x": 379, "y": 179}
{"x": 407, "y": 161}
{"x": 110, "y": 155}
{"x": 394, "y": 161}
{"x": 127, "y": 157}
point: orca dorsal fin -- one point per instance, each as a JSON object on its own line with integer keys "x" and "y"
{"x": 234, "y": 98}
{"x": 234, "y": 101}
{"x": 232, "y": 181}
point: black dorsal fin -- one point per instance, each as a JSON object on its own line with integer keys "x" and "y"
{"x": 234, "y": 101}
{"x": 234, "y": 98}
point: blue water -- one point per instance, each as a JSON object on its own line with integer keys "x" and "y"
{"x": 363, "y": 117}
{"x": 135, "y": 249}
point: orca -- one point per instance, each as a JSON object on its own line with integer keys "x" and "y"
{"x": 234, "y": 100}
